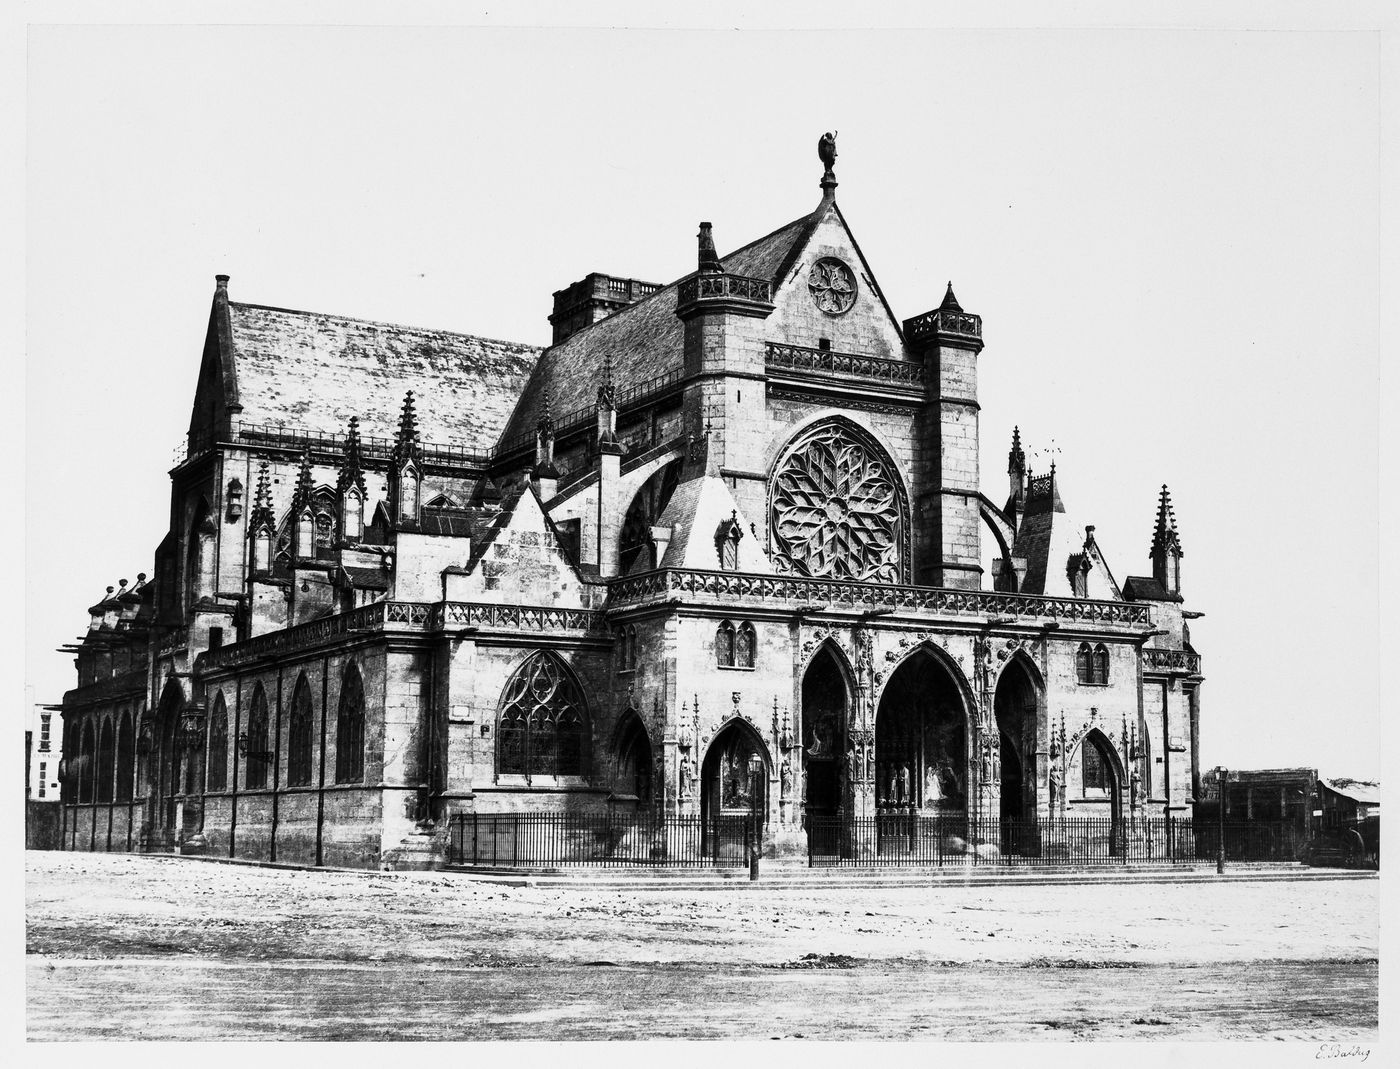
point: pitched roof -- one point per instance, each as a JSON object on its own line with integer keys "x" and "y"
{"x": 315, "y": 371}
{"x": 644, "y": 340}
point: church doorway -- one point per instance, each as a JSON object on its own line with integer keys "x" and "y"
{"x": 1015, "y": 708}
{"x": 921, "y": 741}
{"x": 824, "y": 703}
{"x": 733, "y": 795}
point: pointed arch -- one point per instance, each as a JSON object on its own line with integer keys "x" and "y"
{"x": 1018, "y": 707}
{"x": 126, "y": 758}
{"x": 200, "y": 564}
{"x": 632, "y": 757}
{"x": 945, "y": 661}
{"x": 255, "y": 774}
{"x": 299, "y": 735}
{"x": 925, "y": 717}
{"x": 727, "y": 787}
{"x": 1108, "y": 754}
{"x": 827, "y": 691}
{"x": 350, "y": 727}
{"x": 85, "y": 764}
{"x": 216, "y": 777}
{"x": 106, "y": 760}
{"x": 636, "y": 548}
{"x": 724, "y": 644}
{"x": 838, "y": 505}
{"x": 543, "y": 723}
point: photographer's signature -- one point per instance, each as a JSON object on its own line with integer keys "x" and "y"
{"x": 1336, "y": 1050}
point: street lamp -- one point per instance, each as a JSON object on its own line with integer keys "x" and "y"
{"x": 756, "y": 840}
{"x": 1221, "y": 772}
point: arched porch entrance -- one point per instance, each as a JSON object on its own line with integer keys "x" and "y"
{"x": 1016, "y": 706}
{"x": 825, "y": 700}
{"x": 733, "y": 789}
{"x": 921, "y": 740}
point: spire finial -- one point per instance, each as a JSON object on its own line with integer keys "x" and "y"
{"x": 305, "y": 485}
{"x": 406, "y": 443}
{"x": 262, "y": 502}
{"x": 545, "y": 425}
{"x": 352, "y": 467}
{"x": 950, "y": 301}
{"x": 708, "y": 259}
{"x": 1164, "y": 533}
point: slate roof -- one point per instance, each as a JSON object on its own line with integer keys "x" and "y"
{"x": 644, "y": 340}
{"x": 314, "y": 371}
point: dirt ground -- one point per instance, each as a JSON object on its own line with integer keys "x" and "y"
{"x": 124, "y": 947}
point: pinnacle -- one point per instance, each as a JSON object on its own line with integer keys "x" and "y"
{"x": 950, "y": 301}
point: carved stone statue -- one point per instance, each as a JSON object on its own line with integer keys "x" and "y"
{"x": 826, "y": 151}
{"x": 1057, "y": 786}
{"x": 785, "y": 778}
{"x": 1135, "y": 787}
{"x": 933, "y": 789}
{"x": 685, "y": 777}
{"x": 902, "y": 785}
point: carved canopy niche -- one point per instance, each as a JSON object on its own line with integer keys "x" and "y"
{"x": 837, "y": 508}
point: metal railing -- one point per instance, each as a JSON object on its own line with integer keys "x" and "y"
{"x": 954, "y": 839}
{"x": 547, "y": 840}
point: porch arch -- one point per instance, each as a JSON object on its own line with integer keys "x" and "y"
{"x": 924, "y": 727}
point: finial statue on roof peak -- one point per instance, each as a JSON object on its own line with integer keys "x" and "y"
{"x": 826, "y": 152}
{"x": 708, "y": 259}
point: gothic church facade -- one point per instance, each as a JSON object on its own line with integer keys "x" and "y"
{"x": 718, "y": 548}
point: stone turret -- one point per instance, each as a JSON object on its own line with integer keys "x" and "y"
{"x": 948, "y": 340}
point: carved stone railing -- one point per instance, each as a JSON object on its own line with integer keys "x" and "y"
{"x": 943, "y": 321}
{"x": 401, "y": 616}
{"x": 851, "y": 366}
{"x": 823, "y": 594}
{"x": 453, "y": 614}
{"x": 719, "y": 287}
{"x": 175, "y": 640}
{"x": 1171, "y": 661}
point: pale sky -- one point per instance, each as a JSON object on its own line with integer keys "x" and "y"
{"x": 1172, "y": 238}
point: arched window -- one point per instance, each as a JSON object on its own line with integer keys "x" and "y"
{"x": 1081, "y": 663}
{"x": 543, "y": 727}
{"x": 256, "y": 776}
{"x": 746, "y": 642}
{"x": 724, "y": 645}
{"x": 299, "y": 736}
{"x": 408, "y": 493}
{"x": 350, "y": 728}
{"x": 106, "y": 761}
{"x": 85, "y": 765}
{"x": 217, "y": 776}
{"x": 1098, "y": 773}
{"x": 126, "y": 759}
{"x": 353, "y": 515}
{"x": 729, "y": 549}
{"x": 1099, "y": 668}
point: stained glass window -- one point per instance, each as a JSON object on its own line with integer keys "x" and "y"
{"x": 837, "y": 510}
{"x": 543, "y": 730}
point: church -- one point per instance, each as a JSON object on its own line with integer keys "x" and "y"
{"x": 718, "y": 549}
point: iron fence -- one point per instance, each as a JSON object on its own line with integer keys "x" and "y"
{"x": 955, "y": 839}
{"x": 546, "y": 840}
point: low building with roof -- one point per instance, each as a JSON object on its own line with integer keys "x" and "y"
{"x": 715, "y": 552}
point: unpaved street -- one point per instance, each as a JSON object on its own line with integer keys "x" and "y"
{"x": 145, "y": 947}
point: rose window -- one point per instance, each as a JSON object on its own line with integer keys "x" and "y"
{"x": 837, "y": 511}
{"x": 832, "y": 285}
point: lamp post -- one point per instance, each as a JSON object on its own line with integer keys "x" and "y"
{"x": 1221, "y": 772}
{"x": 756, "y": 839}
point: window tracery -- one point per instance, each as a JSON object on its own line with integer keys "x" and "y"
{"x": 299, "y": 736}
{"x": 837, "y": 509}
{"x": 543, "y": 728}
{"x": 217, "y": 776}
{"x": 350, "y": 728}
